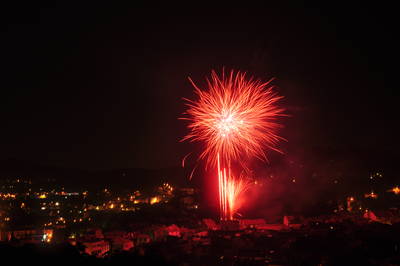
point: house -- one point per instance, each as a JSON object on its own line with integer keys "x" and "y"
{"x": 210, "y": 223}
{"x": 96, "y": 248}
{"x": 173, "y": 230}
{"x": 121, "y": 244}
{"x": 251, "y": 223}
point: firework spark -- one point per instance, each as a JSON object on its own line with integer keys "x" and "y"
{"x": 236, "y": 119}
{"x": 231, "y": 190}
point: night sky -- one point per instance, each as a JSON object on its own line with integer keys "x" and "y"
{"x": 102, "y": 87}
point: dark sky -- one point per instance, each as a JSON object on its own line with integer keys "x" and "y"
{"x": 101, "y": 87}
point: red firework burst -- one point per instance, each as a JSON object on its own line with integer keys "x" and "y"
{"x": 235, "y": 117}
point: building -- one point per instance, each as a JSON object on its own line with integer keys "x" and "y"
{"x": 97, "y": 248}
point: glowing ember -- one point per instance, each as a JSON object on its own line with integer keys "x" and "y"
{"x": 235, "y": 118}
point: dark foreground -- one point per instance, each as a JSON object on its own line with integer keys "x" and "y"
{"x": 317, "y": 243}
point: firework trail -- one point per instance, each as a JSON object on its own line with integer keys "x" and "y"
{"x": 236, "y": 119}
{"x": 230, "y": 191}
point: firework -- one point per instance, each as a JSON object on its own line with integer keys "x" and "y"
{"x": 236, "y": 119}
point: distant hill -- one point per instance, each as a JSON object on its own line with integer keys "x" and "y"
{"x": 140, "y": 178}
{"x": 118, "y": 179}
{"x": 326, "y": 161}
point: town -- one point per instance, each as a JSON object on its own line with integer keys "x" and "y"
{"x": 105, "y": 226}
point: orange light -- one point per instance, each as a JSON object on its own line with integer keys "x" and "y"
{"x": 154, "y": 200}
{"x": 48, "y": 236}
{"x": 395, "y": 190}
